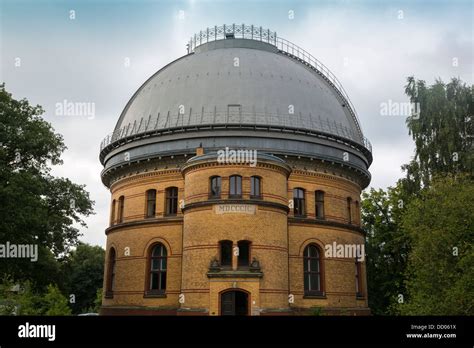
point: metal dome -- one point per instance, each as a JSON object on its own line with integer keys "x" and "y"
{"x": 241, "y": 86}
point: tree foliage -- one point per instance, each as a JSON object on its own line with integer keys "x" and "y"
{"x": 442, "y": 130}
{"x": 83, "y": 270}
{"x": 54, "y": 302}
{"x": 412, "y": 227}
{"x": 35, "y": 207}
{"x": 387, "y": 246}
{"x": 440, "y": 273}
{"x": 21, "y": 299}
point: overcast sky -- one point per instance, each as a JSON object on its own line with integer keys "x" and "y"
{"x": 77, "y": 51}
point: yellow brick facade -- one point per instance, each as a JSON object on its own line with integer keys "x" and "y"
{"x": 191, "y": 238}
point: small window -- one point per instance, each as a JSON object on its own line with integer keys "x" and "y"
{"x": 150, "y": 203}
{"x": 171, "y": 201}
{"x": 299, "y": 202}
{"x": 319, "y": 205}
{"x": 255, "y": 187}
{"x": 111, "y": 273}
{"x": 215, "y": 187}
{"x": 112, "y": 213}
{"x": 226, "y": 253}
{"x": 121, "y": 205}
{"x": 235, "y": 186}
{"x": 349, "y": 209}
{"x": 234, "y": 112}
{"x": 312, "y": 270}
{"x": 158, "y": 268}
{"x": 358, "y": 279}
{"x": 244, "y": 253}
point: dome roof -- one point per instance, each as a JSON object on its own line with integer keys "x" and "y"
{"x": 241, "y": 87}
{"x": 232, "y": 81}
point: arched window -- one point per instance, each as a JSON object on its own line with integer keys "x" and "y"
{"x": 109, "y": 291}
{"x": 121, "y": 206}
{"x": 358, "y": 279}
{"x": 158, "y": 267}
{"x": 255, "y": 187}
{"x": 243, "y": 259}
{"x": 312, "y": 271}
{"x": 299, "y": 202}
{"x": 349, "y": 209}
{"x": 112, "y": 213}
{"x": 150, "y": 203}
{"x": 235, "y": 186}
{"x": 215, "y": 182}
{"x": 171, "y": 201}
{"x": 226, "y": 253}
{"x": 319, "y": 205}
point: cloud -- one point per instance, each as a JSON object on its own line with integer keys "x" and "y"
{"x": 365, "y": 44}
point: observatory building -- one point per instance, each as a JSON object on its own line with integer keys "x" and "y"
{"x": 235, "y": 175}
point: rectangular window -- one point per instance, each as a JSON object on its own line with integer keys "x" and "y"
{"x": 215, "y": 187}
{"x": 357, "y": 211}
{"x": 358, "y": 280}
{"x": 349, "y": 209}
{"x": 121, "y": 208}
{"x": 255, "y": 190}
{"x": 171, "y": 201}
{"x": 235, "y": 186}
{"x": 150, "y": 203}
{"x": 226, "y": 253}
{"x": 298, "y": 202}
{"x": 319, "y": 204}
{"x": 244, "y": 253}
{"x": 112, "y": 213}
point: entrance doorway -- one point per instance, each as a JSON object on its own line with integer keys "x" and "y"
{"x": 234, "y": 302}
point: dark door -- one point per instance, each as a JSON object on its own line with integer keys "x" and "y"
{"x": 241, "y": 301}
{"x": 234, "y": 303}
{"x": 228, "y": 303}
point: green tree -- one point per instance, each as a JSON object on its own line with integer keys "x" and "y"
{"x": 440, "y": 273}
{"x": 83, "y": 270}
{"x": 8, "y": 302}
{"x": 21, "y": 299}
{"x": 95, "y": 308}
{"x": 442, "y": 131}
{"x": 35, "y": 207}
{"x": 387, "y": 246}
{"x": 54, "y": 302}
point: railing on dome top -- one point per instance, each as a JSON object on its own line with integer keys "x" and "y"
{"x": 195, "y": 119}
{"x": 251, "y": 32}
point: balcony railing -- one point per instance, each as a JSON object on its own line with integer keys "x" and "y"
{"x": 218, "y": 119}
